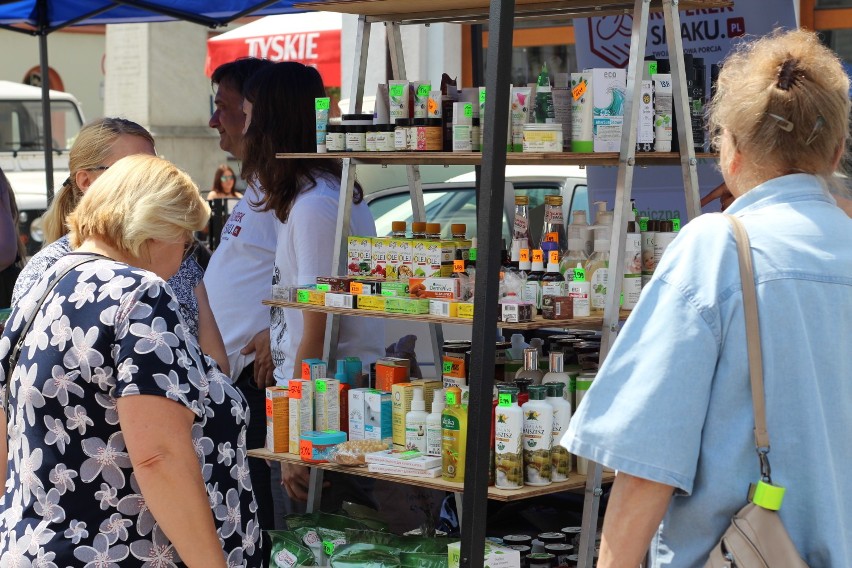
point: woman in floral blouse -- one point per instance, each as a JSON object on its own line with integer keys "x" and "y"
{"x": 126, "y": 446}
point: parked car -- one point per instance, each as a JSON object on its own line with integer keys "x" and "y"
{"x": 22, "y": 150}
{"x": 454, "y": 201}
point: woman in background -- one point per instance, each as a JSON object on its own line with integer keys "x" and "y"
{"x": 224, "y": 182}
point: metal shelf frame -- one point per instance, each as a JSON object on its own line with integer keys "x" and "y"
{"x": 501, "y": 15}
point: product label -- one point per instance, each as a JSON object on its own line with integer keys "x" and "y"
{"x": 598, "y": 285}
{"x": 504, "y": 400}
{"x": 579, "y": 90}
{"x": 538, "y": 431}
{"x": 323, "y": 103}
{"x": 415, "y": 436}
{"x": 521, "y": 226}
{"x": 295, "y": 389}
{"x": 397, "y": 91}
{"x": 433, "y": 440}
{"x": 553, "y": 215}
{"x": 468, "y": 110}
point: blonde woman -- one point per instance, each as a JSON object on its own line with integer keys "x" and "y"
{"x": 97, "y": 147}
{"x": 671, "y": 407}
{"x": 126, "y": 448}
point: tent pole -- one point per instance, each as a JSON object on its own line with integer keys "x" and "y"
{"x": 45, "y": 111}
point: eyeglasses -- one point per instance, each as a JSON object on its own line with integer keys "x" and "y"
{"x": 226, "y": 178}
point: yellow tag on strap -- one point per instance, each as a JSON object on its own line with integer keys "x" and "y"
{"x": 766, "y": 495}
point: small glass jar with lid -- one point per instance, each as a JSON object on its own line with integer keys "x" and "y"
{"x": 401, "y": 134}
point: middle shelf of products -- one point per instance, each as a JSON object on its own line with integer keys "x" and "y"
{"x": 574, "y": 483}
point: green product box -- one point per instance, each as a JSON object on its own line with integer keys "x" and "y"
{"x": 412, "y": 306}
{"x": 394, "y": 288}
{"x": 496, "y": 556}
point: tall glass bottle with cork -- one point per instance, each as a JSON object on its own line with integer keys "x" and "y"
{"x": 553, "y": 229}
{"x": 521, "y": 238}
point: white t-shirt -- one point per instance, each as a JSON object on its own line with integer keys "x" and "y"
{"x": 239, "y": 277}
{"x": 304, "y": 251}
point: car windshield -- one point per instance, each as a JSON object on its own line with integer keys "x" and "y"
{"x": 21, "y": 126}
{"x": 444, "y": 207}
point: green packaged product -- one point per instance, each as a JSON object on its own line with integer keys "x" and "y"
{"x": 287, "y": 552}
{"x": 422, "y": 560}
{"x": 363, "y": 555}
{"x": 414, "y": 544}
{"x": 322, "y": 533}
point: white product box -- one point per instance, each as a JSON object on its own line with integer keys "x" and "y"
{"x": 326, "y": 404}
{"x": 301, "y": 411}
{"x": 608, "y": 94}
{"x": 356, "y": 413}
{"x": 378, "y": 416}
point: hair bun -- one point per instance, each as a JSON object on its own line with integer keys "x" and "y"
{"x": 788, "y": 74}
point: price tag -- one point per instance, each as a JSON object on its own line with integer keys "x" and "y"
{"x": 320, "y": 385}
{"x": 269, "y": 407}
{"x": 295, "y": 389}
{"x": 524, "y": 255}
{"x": 306, "y": 449}
{"x": 324, "y": 287}
{"x": 432, "y": 108}
{"x": 580, "y": 90}
{"x": 471, "y": 254}
{"x": 397, "y": 90}
{"x": 468, "y": 110}
{"x": 481, "y": 96}
{"x": 452, "y": 400}
{"x": 643, "y": 224}
{"x": 328, "y": 547}
{"x": 448, "y": 367}
{"x": 538, "y": 255}
{"x": 504, "y": 399}
{"x": 675, "y": 224}
{"x": 579, "y": 275}
{"x": 423, "y": 90}
{"x": 306, "y": 371}
{"x": 303, "y": 296}
{"x": 322, "y": 103}
{"x": 356, "y": 288}
{"x": 458, "y": 266}
{"x": 553, "y": 257}
{"x": 330, "y": 431}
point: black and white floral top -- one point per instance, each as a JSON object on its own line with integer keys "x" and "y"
{"x": 106, "y": 331}
{"x": 183, "y": 283}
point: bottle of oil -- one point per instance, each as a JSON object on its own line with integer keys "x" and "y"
{"x": 553, "y": 229}
{"x": 508, "y": 438}
{"x": 418, "y": 230}
{"x": 530, "y": 369}
{"x": 597, "y": 267}
{"x": 521, "y": 238}
{"x": 397, "y": 230}
{"x": 454, "y": 437}
{"x": 532, "y": 289}
{"x": 538, "y": 436}
{"x": 553, "y": 283}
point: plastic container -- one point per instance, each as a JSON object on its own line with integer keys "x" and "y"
{"x": 335, "y": 138}
{"x": 542, "y": 137}
{"x": 316, "y": 447}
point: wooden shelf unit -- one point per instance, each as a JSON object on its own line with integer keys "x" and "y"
{"x": 575, "y": 481}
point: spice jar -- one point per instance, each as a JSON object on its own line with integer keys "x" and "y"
{"x": 400, "y": 134}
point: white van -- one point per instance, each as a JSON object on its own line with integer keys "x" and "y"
{"x": 22, "y": 150}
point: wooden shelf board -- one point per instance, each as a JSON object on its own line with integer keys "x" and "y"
{"x": 575, "y": 481}
{"x": 512, "y": 158}
{"x": 421, "y": 11}
{"x": 538, "y": 323}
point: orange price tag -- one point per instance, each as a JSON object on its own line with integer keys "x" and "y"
{"x": 538, "y": 255}
{"x": 458, "y": 266}
{"x": 306, "y": 371}
{"x": 524, "y": 255}
{"x": 269, "y": 407}
{"x": 551, "y": 237}
{"x": 554, "y": 257}
{"x": 356, "y": 288}
{"x": 579, "y": 90}
{"x": 306, "y": 449}
{"x": 295, "y": 389}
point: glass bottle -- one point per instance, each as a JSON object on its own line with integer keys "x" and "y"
{"x": 433, "y": 231}
{"x": 532, "y": 288}
{"x": 418, "y": 230}
{"x": 553, "y": 282}
{"x": 553, "y": 229}
{"x": 398, "y": 230}
{"x": 530, "y": 369}
{"x": 521, "y": 238}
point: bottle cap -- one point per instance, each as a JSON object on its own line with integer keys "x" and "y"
{"x": 557, "y": 359}
{"x": 522, "y": 200}
{"x": 553, "y": 200}
{"x": 522, "y": 384}
{"x": 417, "y": 403}
{"x": 418, "y": 227}
{"x": 398, "y": 226}
{"x": 458, "y": 229}
{"x": 555, "y": 389}
{"x": 433, "y": 228}
{"x": 537, "y": 392}
{"x": 438, "y": 399}
{"x": 580, "y": 217}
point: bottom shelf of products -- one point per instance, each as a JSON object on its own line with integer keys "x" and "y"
{"x": 575, "y": 481}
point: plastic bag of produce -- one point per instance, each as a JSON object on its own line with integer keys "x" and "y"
{"x": 287, "y": 551}
{"x": 422, "y": 560}
{"x": 363, "y": 555}
{"x": 418, "y": 544}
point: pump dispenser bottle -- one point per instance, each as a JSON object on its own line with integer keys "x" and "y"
{"x": 530, "y": 369}
{"x": 433, "y": 424}
{"x": 415, "y": 423}
{"x": 579, "y": 233}
{"x": 597, "y": 267}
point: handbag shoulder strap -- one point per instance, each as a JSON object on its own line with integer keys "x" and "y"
{"x": 755, "y": 357}
{"x": 19, "y": 345}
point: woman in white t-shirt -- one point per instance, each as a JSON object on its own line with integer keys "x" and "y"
{"x": 279, "y": 107}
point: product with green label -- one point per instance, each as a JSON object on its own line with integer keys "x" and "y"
{"x": 538, "y": 436}
{"x": 398, "y": 95}
{"x": 421, "y": 98}
{"x": 287, "y": 551}
{"x": 597, "y": 268}
{"x": 579, "y": 291}
{"x": 454, "y": 437}
{"x": 560, "y": 459}
{"x": 508, "y": 440}
{"x": 544, "y": 112}
{"x": 362, "y": 555}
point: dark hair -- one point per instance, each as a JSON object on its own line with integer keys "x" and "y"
{"x": 282, "y": 97}
{"x": 236, "y": 73}
{"x": 217, "y": 179}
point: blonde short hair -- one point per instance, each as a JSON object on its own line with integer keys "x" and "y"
{"x": 139, "y": 198}
{"x": 784, "y": 99}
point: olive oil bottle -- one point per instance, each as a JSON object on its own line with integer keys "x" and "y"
{"x": 508, "y": 438}
{"x": 454, "y": 437}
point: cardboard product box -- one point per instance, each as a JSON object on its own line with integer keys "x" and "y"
{"x": 426, "y": 259}
{"x": 394, "y": 470}
{"x": 448, "y": 255}
{"x": 371, "y": 303}
{"x": 466, "y": 310}
{"x": 394, "y": 288}
{"x": 405, "y": 269}
{"x": 379, "y": 256}
{"x": 443, "y": 308}
{"x": 557, "y": 307}
{"x": 367, "y": 286}
{"x": 359, "y": 254}
{"x": 391, "y": 370}
{"x": 411, "y": 460}
{"x": 645, "y": 129}
{"x": 301, "y": 411}
{"x": 378, "y": 416}
{"x": 608, "y": 94}
{"x": 394, "y": 260}
{"x": 454, "y": 369}
{"x": 341, "y": 300}
{"x": 310, "y": 296}
{"x": 334, "y": 283}
{"x": 435, "y": 288}
{"x": 277, "y": 419}
{"x": 356, "y": 413}
{"x": 326, "y": 404}
{"x": 401, "y": 396}
{"x": 516, "y": 312}
{"x": 496, "y": 556}
{"x": 314, "y": 369}
{"x": 412, "y": 306}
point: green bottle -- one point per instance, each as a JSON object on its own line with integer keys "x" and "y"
{"x": 544, "y": 112}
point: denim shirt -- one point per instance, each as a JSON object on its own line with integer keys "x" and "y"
{"x": 672, "y": 402}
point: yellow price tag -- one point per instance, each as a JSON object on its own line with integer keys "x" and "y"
{"x": 538, "y": 255}
{"x": 356, "y": 288}
{"x": 458, "y": 266}
{"x": 552, "y": 237}
{"x": 525, "y": 255}
{"x": 554, "y": 257}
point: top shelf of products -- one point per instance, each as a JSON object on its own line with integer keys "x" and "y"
{"x": 425, "y": 11}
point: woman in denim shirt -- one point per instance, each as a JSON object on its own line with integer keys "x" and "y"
{"x": 671, "y": 408}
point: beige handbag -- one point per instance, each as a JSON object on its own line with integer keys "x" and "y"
{"x": 756, "y": 537}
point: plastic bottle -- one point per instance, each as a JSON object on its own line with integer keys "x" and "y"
{"x": 631, "y": 283}
{"x": 560, "y": 459}
{"x": 580, "y": 289}
{"x": 584, "y": 383}
{"x": 508, "y": 439}
{"x": 648, "y": 231}
{"x": 342, "y": 376}
{"x": 530, "y": 369}
{"x": 544, "y": 112}
{"x": 398, "y": 230}
{"x": 415, "y": 423}
{"x": 453, "y": 437}
{"x": 557, "y": 373}
{"x": 580, "y": 230}
{"x": 538, "y": 437}
{"x": 553, "y": 282}
{"x": 418, "y": 230}
{"x": 553, "y": 229}
{"x": 518, "y": 346}
{"x": 597, "y": 267}
{"x": 433, "y": 423}
{"x": 532, "y": 288}
{"x": 433, "y": 231}
{"x": 521, "y": 226}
